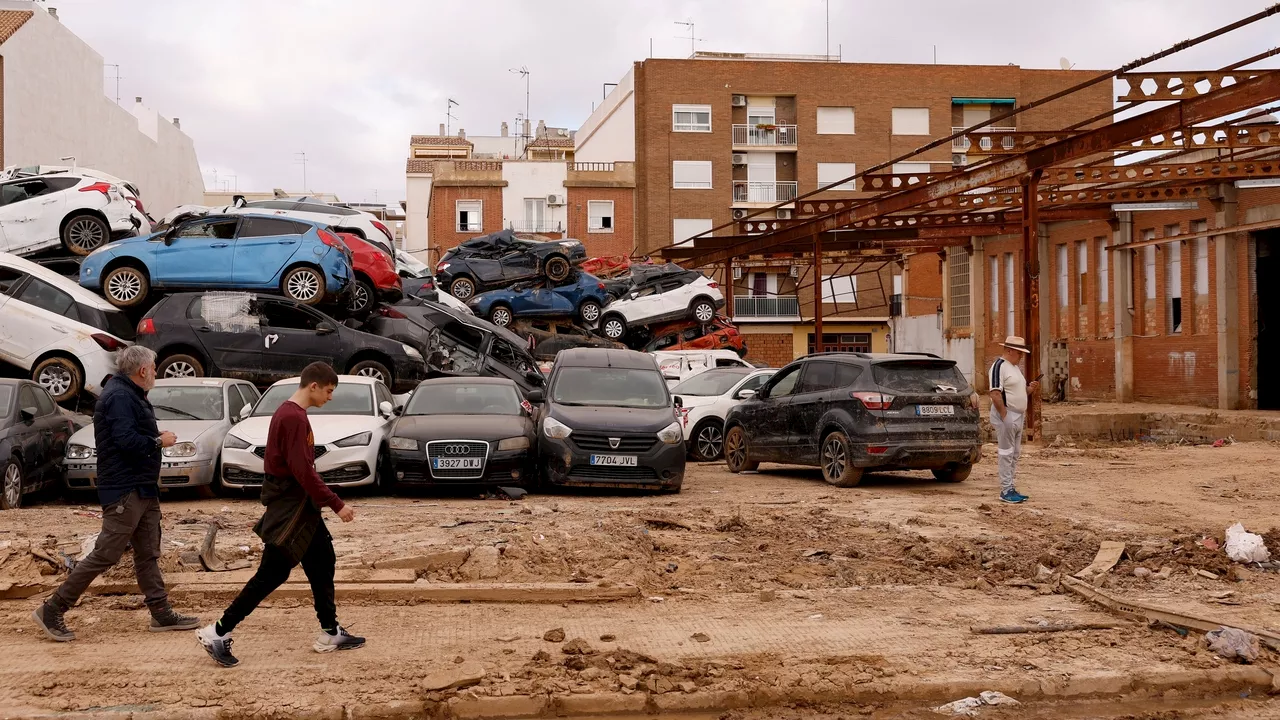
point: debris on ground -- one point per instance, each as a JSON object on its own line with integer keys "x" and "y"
{"x": 1108, "y": 555}
{"x": 701, "y": 637}
{"x": 577, "y": 646}
{"x": 971, "y": 705}
{"x": 1233, "y": 644}
{"x": 1246, "y": 547}
{"x": 457, "y": 676}
{"x": 555, "y": 635}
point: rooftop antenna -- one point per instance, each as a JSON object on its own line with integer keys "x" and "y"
{"x": 523, "y": 71}
{"x": 449, "y": 116}
{"x": 303, "y": 160}
{"x": 828, "y": 4}
{"x": 1065, "y": 64}
{"x": 117, "y": 79}
{"x": 693, "y": 40}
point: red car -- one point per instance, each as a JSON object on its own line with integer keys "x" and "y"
{"x": 376, "y": 276}
{"x": 719, "y": 334}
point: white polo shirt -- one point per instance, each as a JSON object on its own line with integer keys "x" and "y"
{"x": 1008, "y": 379}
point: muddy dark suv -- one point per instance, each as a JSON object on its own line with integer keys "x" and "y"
{"x": 850, "y": 412}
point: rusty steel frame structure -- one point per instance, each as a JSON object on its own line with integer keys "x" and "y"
{"x": 1026, "y": 178}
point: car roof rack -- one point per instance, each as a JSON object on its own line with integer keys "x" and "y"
{"x": 925, "y": 354}
{"x": 861, "y": 355}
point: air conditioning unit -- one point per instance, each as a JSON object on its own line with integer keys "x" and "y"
{"x": 784, "y": 214}
{"x": 795, "y": 271}
{"x": 737, "y": 273}
{"x": 739, "y": 158}
{"x": 739, "y": 214}
{"x": 555, "y": 199}
{"x": 958, "y": 160}
{"x": 739, "y": 101}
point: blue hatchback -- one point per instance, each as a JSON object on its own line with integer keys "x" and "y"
{"x": 584, "y": 296}
{"x": 301, "y": 260}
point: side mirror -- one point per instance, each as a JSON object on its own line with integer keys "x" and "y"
{"x": 325, "y": 328}
{"x": 28, "y": 415}
{"x": 536, "y": 396}
{"x": 170, "y": 235}
{"x": 535, "y": 377}
{"x": 239, "y": 201}
{"x": 398, "y": 410}
{"x": 744, "y": 394}
{"x": 244, "y": 412}
{"x": 679, "y": 401}
{"x": 634, "y": 295}
{"x": 386, "y": 408}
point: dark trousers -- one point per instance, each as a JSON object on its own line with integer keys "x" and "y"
{"x": 276, "y": 565}
{"x": 129, "y": 519}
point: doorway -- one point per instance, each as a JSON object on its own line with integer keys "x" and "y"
{"x": 1267, "y": 282}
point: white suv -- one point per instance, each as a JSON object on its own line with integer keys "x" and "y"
{"x": 80, "y": 212}
{"x": 672, "y": 299}
{"x": 60, "y": 333}
{"x": 128, "y": 189}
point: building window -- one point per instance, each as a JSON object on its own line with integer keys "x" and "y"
{"x": 1104, "y": 279}
{"x": 691, "y": 174}
{"x": 469, "y": 214}
{"x": 691, "y": 118}
{"x": 912, "y": 168}
{"x": 600, "y": 216}
{"x": 535, "y": 214}
{"x": 840, "y": 289}
{"x": 834, "y": 172}
{"x": 1062, "y": 275}
{"x": 911, "y": 121}
{"x": 1008, "y": 293}
{"x": 958, "y": 282}
{"x": 761, "y": 284}
{"x": 993, "y": 276}
{"x": 1202, "y": 258}
{"x": 842, "y": 342}
{"x": 1082, "y": 272}
{"x": 1149, "y": 272}
{"x": 682, "y": 229}
{"x": 835, "y": 121}
{"x": 1173, "y": 279}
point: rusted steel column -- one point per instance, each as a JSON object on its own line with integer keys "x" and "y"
{"x": 1031, "y": 293}
{"x": 728, "y": 288}
{"x": 817, "y": 292}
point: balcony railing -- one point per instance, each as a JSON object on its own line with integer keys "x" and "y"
{"x": 590, "y": 166}
{"x": 780, "y": 306}
{"x": 962, "y": 144}
{"x": 756, "y": 136}
{"x": 747, "y": 191}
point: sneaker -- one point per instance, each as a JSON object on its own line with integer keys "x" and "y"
{"x": 1012, "y": 496}
{"x": 341, "y": 640}
{"x": 49, "y": 617}
{"x": 165, "y": 619}
{"x": 218, "y": 646}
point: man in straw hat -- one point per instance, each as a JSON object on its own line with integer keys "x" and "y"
{"x": 1010, "y": 394}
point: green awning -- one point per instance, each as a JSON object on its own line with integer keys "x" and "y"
{"x": 982, "y": 101}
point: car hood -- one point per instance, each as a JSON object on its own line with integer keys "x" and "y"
{"x": 462, "y": 427}
{"x": 325, "y": 428}
{"x": 613, "y": 419}
{"x": 186, "y": 430}
{"x": 692, "y": 401}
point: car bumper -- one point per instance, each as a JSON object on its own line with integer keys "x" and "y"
{"x": 917, "y": 455}
{"x": 659, "y": 468}
{"x": 511, "y": 467}
{"x": 390, "y": 294}
{"x": 83, "y": 475}
{"x": 98, "y": 365}
{"x": 338, "y": 467}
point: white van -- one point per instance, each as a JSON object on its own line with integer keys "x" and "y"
{"x": 679, "y": 365}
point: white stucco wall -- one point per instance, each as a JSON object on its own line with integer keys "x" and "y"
{"x": 923, "y": 333}
{"x": 532, "y": 179}
{"x": 417, "y": 205}
{"x": 609, "y": 135}
{"x": 54, "y": 106}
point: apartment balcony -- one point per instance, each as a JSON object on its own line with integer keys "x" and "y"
{"x": 962, "y": 144}
{"x": 755, "y": 137}
{"x": 765, "y": 193}
{"x": 777, "y": 307}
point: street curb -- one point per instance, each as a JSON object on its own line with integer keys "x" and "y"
{"x": 414, "y": 592}
{"x": 927, "y": 692}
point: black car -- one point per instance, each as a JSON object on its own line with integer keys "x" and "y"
{"x": 608, "y": 420}
{"x": 455, "y": 344}
{"x": 464, "y": 431}
{"x": 497, "y": 260}
{"x": 264, "y": 338}
{"x": 551, "y": 337}
{"x": 848, "y": 412}
{"x": 33, "y": 439}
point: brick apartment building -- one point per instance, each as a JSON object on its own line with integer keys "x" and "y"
{"x": 718, "y": 136}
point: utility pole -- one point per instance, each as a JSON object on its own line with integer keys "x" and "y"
{"x": 448, "y": 116}
{"x": 303, "y": 160}
{"x": 117, "y": 79}
{"x": 828, "y": 3}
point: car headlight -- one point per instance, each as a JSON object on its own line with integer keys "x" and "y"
{"x": 412, "y": 352}
{"x": 355, "y": 440}
{"x": 79, "y": 452}
{"x": 671, "y": 434}
{"x": 516, "y": 443}
{"x": 553, "y": 428}
{"x": 236, "y": 443}
{"x": 403, "y": 443}
{"x": 180, "y": 450}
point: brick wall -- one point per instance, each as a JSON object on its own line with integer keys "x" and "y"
{"x": 923, "y": 285}
{"x": 776, "y": 349}
{"x": 444, "y": 215}
{"x": 621, "y": 241}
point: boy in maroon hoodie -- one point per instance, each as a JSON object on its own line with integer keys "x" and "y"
{"x": 292, "y": 528}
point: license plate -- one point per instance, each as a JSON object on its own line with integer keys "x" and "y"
{"x": 457, "y": 463}
{"x": 935, "y": 410}
{"x": 614, "y": 460}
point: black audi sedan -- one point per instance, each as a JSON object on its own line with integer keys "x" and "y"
{"x": 464, "y": 431}
{"x": 608, "y": 420}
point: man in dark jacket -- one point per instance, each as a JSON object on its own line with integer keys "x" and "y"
{"x": 129, "y": 450}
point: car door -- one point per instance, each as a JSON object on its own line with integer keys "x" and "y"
{"x": 229, "y": 329}
{"x": 55, "y": 431}
{"x": 546, "y": 301}
{"x": 506, "y": 360}
{"x": 809, "y": 403}
{"x": 767, "y": 430}
{"x": 294, "y": 336}
{"x": 22, "y": 205}
{"x": 37, "y": 316}
{"x": 518, "y": 263}
{"x": 32, "y": 435}
{"x": 262, "y": 247}
{"x": 198, "y": 253}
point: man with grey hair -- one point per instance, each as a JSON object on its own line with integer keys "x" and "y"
{"x": 129, "y": 450}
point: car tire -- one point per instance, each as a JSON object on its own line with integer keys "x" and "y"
{"x": 362, "y": 297}
{"x": 556, "y": 269}
{"x": 125, "y": 286}
{"x": 11, "y": 485}
{"x": 958, "y": 472}
{"x": 82, "y": 234}
{"x": 707, "y": 440}
{"x": 702, "y": 310}
{"x": 179, "y": 366}
{"x": 613, "y": 327}
{"x": 303, "y": 284}
{"x": 500, "y": 315}
{"x": 589, "y": 312}
{"x": 737, "y": 451}
{"x": 462, "y": 288}
{"x": 372, "y": 369}
{"x": 385, "y": 473}
{"x": 837, "y": 465}
{"x": 60, "y": 376}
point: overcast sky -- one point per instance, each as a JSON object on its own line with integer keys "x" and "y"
{"x": 348, "y": 82}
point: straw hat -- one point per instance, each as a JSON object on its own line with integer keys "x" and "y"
{"x": 1015, "y": 342}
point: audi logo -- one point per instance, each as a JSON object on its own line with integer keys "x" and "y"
{"x": 457, "y": 449}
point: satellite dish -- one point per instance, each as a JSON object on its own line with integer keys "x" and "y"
{"x": 1065, "y": 64}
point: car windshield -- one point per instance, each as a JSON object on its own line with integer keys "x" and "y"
{"x": 921, "y": 376}
{"x": 613, "y": 387}
{"x": 6, "y": 400}
{"x": 464, "y": 399}
{"x": 711, "y": 382}
{"x": 348, "y": 399}
{"x": 186, "y": 403}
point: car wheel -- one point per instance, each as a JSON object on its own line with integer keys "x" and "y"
{"x": 179, "y": 366}
{"x": 589, "y": 312}
{"x": 362, "y": 295}
{"x": 304, "y": 284}
{"x": 708, "y": 441}
{"x": 556, "y": 269}
{"x": 385, "y": 474}
{"x": 704, "y": 311}
{"x": 500, "y": 315}
{"x": 85, "y": 233}
{"x": 462, "y": 288}
{"x": 11, "y": 493}
{"x": 614, "y": 327}
{"x": 837, "y": 464}
{"x": 957, "y": 472}
{"x": 372, "y": 369}
{"x": 125, "y": 286}
{"x": 60, "y": 376}
{"x": 737, "y": 451}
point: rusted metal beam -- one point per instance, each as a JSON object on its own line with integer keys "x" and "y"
{"x": 1154, "y": 86}
{"x": 1031, "y": 292}
{"x": 817, "y": 294}
{"x": 1248, "y": 227}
